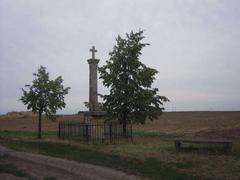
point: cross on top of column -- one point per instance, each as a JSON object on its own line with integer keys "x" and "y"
{"x": 93, "y": 50}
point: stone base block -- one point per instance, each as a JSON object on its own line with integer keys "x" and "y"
{"x": 94, "y": 117}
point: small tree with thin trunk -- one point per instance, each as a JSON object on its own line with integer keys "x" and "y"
{"x": 131, "y": 98}
{"x": 44, "y": 96}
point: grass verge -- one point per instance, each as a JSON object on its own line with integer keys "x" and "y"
{"x": 12, "y": 169}
{"x": 27, "y": 134}
{"x": 153, "y": 134}
{"x": 150, "y": 167}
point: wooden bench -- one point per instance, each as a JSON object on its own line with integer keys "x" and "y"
{"x": 227, "y": 143}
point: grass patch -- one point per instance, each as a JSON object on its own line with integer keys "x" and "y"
{"x": 152, "y": 155}
{"x": 150, "y": 167}
{"x": 153, "y": 134}
{"x": 236, "y": 151}
{"x": 50, "y": 178}
{"x": 27, "y": 134}
{"x": 204, "y": 148}
{"x": 12, "y": 169}
{"x": 182, "y": 165}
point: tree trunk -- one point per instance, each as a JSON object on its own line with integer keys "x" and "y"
{"x": 124, "y": 129}
{"x": 40, "y": 125}
{"x": 124, "y": 124}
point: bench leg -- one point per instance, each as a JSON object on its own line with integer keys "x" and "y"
{"x": 228, "y": 147}
{"x": 177, "y": 146}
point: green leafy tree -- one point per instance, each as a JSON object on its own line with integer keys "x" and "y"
{"x": 131, "y": 98}
{"x": 44, "y": 96}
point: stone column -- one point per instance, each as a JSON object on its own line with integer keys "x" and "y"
{"x": 93, "y": 93}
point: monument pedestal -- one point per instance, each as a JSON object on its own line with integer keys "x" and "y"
{"x": 94, "y": 117}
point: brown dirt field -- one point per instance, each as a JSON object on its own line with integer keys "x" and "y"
{"x": 197, "y": 124}
{"x": 233, "y": 134}
{"x": 189, "y": 123}
{"x": 27, "y": 121}
{"x": 178, "y": 123}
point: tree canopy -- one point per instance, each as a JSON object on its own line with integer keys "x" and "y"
{"x": 131, "y": 97}
{"x": 44, "y": 95}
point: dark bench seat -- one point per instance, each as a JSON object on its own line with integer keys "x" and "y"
{"x": 227, "y": 143}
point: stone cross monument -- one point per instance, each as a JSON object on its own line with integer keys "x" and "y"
{"x": 93, "y": 93}
{"x": 94, "y": 115}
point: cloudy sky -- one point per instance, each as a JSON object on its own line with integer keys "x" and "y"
{"x": 195, "y": 46}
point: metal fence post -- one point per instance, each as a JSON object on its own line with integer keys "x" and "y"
{"x": 87, "y": 135}
{"x": 110, "y": 132}
{"x": 131, "y": 133}
{"x": 94, "y": 132}
{"x": 59, "y": 130}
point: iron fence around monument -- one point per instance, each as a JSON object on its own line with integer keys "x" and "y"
{"x": 103, "y": 133}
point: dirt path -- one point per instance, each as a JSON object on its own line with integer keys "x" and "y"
{"x": 44, "y": 167}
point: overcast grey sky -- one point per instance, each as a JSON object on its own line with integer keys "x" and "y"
{"x": 195, "y": 46}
